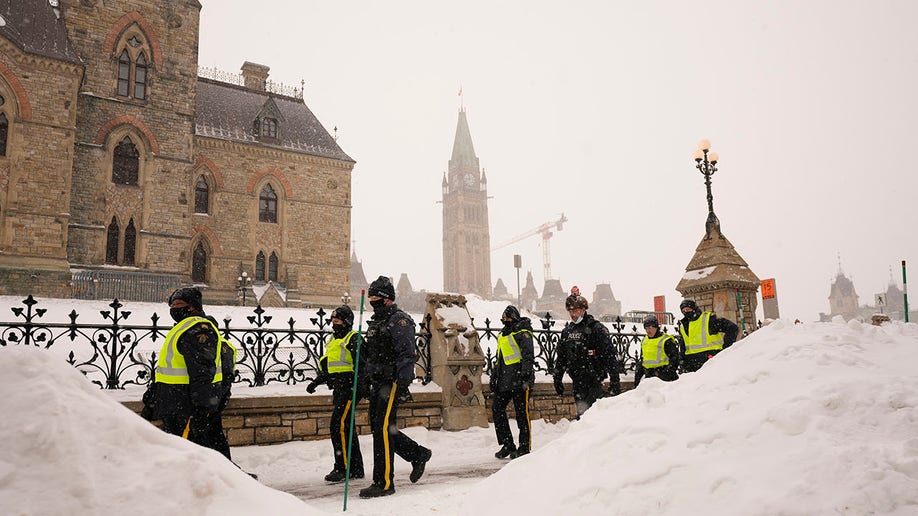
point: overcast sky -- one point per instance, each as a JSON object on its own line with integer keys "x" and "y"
{"x": 593, "y": 109}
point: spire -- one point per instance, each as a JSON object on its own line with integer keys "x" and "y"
{"x": 463, "y": 150}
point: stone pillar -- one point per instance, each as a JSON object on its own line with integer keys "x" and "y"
{"x": 456, "y": 362}
{"x": 717, "y": 276}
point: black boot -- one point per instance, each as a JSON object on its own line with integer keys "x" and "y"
{"x": 336, "y": 475}
{"x": 417, "y": 467}
{"x": 376, "y": 490}
{"x": 505, "y": 451}
{"x": 523, "y": 450}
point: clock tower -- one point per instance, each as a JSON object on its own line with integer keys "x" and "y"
{"x": 466, "y": 235}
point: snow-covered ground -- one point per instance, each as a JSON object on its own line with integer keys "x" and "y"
{"x": 796, "y": 419}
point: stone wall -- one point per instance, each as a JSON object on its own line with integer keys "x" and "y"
{"x": 274, "y": 420}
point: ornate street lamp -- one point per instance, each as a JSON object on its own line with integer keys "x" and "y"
{"x": 706, "y": 163}
{"x": 242, "y": 283}
{"x": 346, "y": 299}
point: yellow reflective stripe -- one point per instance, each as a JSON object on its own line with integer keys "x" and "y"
{"x": 385, "y": 433}
{"x": 347, "y": 408}
{"x": 187, "y": 429}
{"x": 528, "y": 421}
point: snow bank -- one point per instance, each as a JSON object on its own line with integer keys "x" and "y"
{"x": 67, "y": 448}
{"x": 796, "y": 419}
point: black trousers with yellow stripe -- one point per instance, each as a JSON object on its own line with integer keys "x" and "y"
{"x": 340, "y": 428}
{"x": 520, "y": 398}
{"x": 388, "y": 440}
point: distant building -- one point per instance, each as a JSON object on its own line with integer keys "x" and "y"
{"x": 843, "y": 300}
{"x": 466, "y": 234}
{"x": 530, "y": 296}
{"x": 502, "y": 294}
{"x": 604, "y": 305}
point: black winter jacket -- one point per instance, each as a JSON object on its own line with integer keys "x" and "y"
{"x": 505, "y": 378}
{"x": 389, "y": 354}
{"x": 587, "y": 354}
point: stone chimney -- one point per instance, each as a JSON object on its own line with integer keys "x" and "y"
{"x": 255, "y": 75}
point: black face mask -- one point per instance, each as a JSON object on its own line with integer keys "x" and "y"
{"x": 379, "y": 304}
{"x": 180, "y": 314}
{"x": 339, "y": 329}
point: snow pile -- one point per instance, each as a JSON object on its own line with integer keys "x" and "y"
{"x": 67, "y": 448}
{"x": 795, "y": 419}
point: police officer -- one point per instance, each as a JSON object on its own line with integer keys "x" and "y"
{"x": 511, "y": 379}
{"x": 702, "y": 335}
{"x": 189, "y": 389}
{"x": 390, "y": 359}
{"x": 586, "y": 353}
{"x": 659, "y": 354}
{"x": 336, "y": 368}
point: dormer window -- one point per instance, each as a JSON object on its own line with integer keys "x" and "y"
{"x": 268, "y": 128}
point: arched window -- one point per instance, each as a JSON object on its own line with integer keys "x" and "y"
{"x": 269, "y": 128}
{"x": 124, "y": 73}
{"x": 267, "y": 206}
{"x": 4, "y": 130}
{"x": 130, "y": 243}
{"x": 140, "y": 77}
{"x": 125, "y": 163}
{"x": 199, "y": 264}
{"x": 201, "y": 196}
{"x": 272, "y": 267}
{"x": 260, "y": 266}
{"x": 111, "y": 242}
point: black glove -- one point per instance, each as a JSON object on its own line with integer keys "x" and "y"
{"x": 559, "y": 387}
{"x": 311, "y": 388}
{"x": 402, "y": 394}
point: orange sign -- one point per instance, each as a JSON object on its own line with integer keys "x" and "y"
{"x": 768, "y": 289}
{"x": 659, "y": 306}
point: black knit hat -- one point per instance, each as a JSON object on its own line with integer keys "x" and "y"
{"x": 511, "y": 313}
{"x": 344, "y": 313}
{"x": 689, "y": 303}
{"x": 190, "y": 295}
{"x": 651, "y": 320}
{"x": 382, "y": 287}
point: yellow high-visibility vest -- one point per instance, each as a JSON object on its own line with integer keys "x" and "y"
{"x": 170, "y": 365}
{"x": 698, "y": 339}
{"x": 509, "y": 349}
{"x": 339, "y": 359}
{"x": 652, "y": 351}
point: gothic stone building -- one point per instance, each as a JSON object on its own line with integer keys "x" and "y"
{"x": 466, "y": 234}
{"x": 118, "y": 160}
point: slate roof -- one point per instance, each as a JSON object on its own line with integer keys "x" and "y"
{"x": 33, "y": 27}
{"x": 228, "y": 112}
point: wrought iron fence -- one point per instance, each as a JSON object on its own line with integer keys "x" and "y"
{"x": 115, "y": 354}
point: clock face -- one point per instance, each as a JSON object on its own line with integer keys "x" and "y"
{"x": 469, "y": 179}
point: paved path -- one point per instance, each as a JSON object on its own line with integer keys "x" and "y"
{"x": 325, "y": 491}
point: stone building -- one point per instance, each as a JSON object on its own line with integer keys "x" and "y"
{"x": 118, "y": 159}
{"x": 843, "y": 299}
{"x": 719, "y": 279}
{"x": 466, "y": 234}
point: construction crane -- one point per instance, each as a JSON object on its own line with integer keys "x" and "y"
{"x": 545, "y": 231}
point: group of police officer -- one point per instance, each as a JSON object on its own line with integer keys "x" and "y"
{"x": 196, "y": 366}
